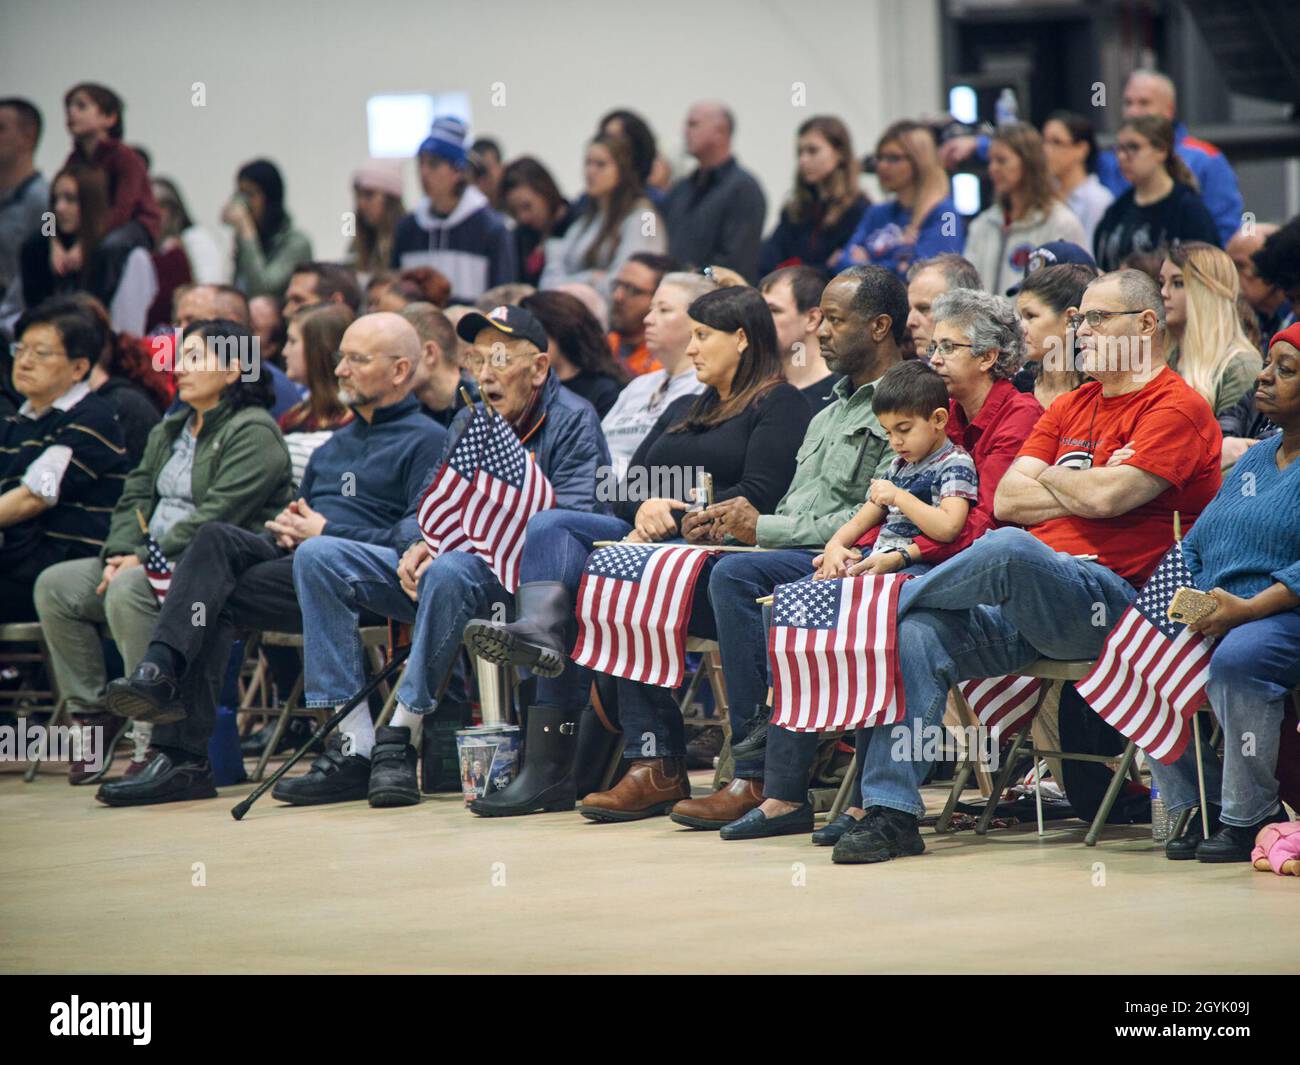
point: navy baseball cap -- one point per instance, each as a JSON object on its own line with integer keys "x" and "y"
{"x": 509, "y": 319}
{"x": 1054, "y": 253}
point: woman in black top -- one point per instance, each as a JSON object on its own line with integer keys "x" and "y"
{"x": 1164, "y": 203}
{"x": 579, "y": 353}
{"x": 744, "y": 430}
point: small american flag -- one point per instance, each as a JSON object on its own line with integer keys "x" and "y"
{"x": 483, "y": 496}
{"x": 1152, "y": 672}
{"x": 1002, "y": 703}
{"x": 834, "y": 656}
{"x": 156, "y": 567}
{"x": 634, "y": 605}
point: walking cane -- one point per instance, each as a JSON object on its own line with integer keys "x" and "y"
{"x": 399, "y": 656}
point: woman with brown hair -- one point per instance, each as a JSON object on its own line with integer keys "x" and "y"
{"x": 1027, "y": 211}
{"x": 531, "y": 197}
{"x": 1207, "y": 346}
{"x": 826, "y": 205}
{"x": 921, "y": 220}
{"x": 1164, "y": 203}
{"x": 616, "y": 222}
{"x": 580, "y": 355}
{"x": 80, "y": 204}
{"x": 377, "y": 188}
{"x": 743, "y": 430}
{"x": 310, "y": 351}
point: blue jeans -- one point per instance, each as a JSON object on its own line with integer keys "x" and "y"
{"x": 336, "y": 579}
{"x": 1251, "y": 671}
{"x": 736, "y": 582}
{"x": 555, "y": 549}
{"x": 789, "y": 754}
{"x": 993, "y": 609}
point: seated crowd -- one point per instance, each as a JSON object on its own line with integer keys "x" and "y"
{"x": 1015, "y": 421}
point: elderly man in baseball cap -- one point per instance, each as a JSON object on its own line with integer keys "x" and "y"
{"x": 400, "y": 579}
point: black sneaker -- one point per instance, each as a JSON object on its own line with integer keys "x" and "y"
{"x": 334, "y": 777}
{"x": 881, "y": 835}
{"x": 1234, "y": 844}
{"x": 393, "y": 780}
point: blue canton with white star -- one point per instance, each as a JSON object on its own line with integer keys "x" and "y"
{"x": 624, "y": 562}
{"x": 1153, "y": 602}
{"x": 464, "y": 457}
{"x": 807, "y": 604}
{"x": 503, "y": 455}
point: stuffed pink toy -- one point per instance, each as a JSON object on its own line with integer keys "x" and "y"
{"x": 1277, "y": 847}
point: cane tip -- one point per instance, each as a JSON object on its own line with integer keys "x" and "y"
{"x": 238, "y": 812}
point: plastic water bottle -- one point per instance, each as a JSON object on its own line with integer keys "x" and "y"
{"x": 1159, "y": 815}
{"x": 1006, "y": 109}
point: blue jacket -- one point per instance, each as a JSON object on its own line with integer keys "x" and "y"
{"x": 569, "y": 447}
{"x": 362, "y": 478}
{"x": 880, "y": 235}
{"x": 1213, "y": 173}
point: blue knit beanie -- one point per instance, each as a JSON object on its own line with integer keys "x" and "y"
{"x": 446, "y": 140}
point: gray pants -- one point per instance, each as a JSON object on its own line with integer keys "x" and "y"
{"x": 71, "y": 615}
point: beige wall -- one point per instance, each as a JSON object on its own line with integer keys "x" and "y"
{"x": 289, "y": 79}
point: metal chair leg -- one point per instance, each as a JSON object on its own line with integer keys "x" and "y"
{"x": 1000, "y": 785}
{"x": 959, "y": 782}
{"x": 846, "y": 786}
{"x": 281, "y": 723}
{"x": 1112, "y": 793}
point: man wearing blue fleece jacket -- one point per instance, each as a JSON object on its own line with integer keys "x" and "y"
{"x": 357, "y": 488}
{"x": 453, "y": 230}
{"x": 337, "y": 579}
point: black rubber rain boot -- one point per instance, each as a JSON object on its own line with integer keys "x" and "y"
{"x": 538, "y": 638}
{"x": 545, "y": 783}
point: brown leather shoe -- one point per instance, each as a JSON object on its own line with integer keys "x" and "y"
{"x": 720, "y": 808}
{"x": 649, "y": 788}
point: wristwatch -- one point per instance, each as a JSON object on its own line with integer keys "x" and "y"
{"x": 907, "y": 559}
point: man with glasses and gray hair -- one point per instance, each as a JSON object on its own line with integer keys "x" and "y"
{"x": 1096, "y": 487}
{"x": 357, "y": 488}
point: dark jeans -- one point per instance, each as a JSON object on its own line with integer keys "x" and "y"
{"x": 790, "y": 757}
{"x": 735, "y": 583}
{"x": 227, "y": 577}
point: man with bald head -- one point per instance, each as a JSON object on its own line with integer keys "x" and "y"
{"x": 715, "y": 215}
{"x": 1148, "y": 92}
{"x": 358, "y": 486}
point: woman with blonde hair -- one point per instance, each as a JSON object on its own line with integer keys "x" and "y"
{"x": 1027, "y": 213}
{"x": 1207, "y": 345}
{"x": 826, "y": 205}
{"x": 921, "y": 220}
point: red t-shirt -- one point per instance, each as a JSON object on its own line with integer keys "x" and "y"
{"x": 1173, "y": 435}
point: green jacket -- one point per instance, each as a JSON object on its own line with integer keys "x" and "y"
{"x": 266, "y": 272}
{"x": 242, "y": 475}
{"x": 844, "y": 449}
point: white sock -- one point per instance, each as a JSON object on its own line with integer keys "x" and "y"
{"x": 358, "y": 731}
{"x": 404, "y": 718}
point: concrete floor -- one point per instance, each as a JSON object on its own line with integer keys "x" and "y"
{"x": 433, "y": 889}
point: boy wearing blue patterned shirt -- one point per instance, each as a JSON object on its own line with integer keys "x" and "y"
{"x": 928, "y": 490}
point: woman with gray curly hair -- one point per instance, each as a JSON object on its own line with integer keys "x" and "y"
{"x": 977, "y": 347}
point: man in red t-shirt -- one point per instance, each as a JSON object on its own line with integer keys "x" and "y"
{"x": 1101, "y": 475}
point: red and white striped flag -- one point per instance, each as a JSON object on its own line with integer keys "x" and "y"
{"x": 1152, "y": 672}
{"x": 156, "y": 568}
{"x": 1002, "y": 703}
{"x": 634, "y": 605}
{"x": 483, "y": 496}
{"x": 833, "y": 653}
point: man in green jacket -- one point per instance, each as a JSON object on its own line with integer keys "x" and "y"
{"x": 220, "y": 458}
{"x": 864, "y": 316}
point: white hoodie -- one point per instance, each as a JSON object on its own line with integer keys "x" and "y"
{"x": 1000, "y": 253}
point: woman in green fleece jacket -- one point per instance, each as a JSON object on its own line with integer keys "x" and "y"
{"x": 219, "y": 458}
